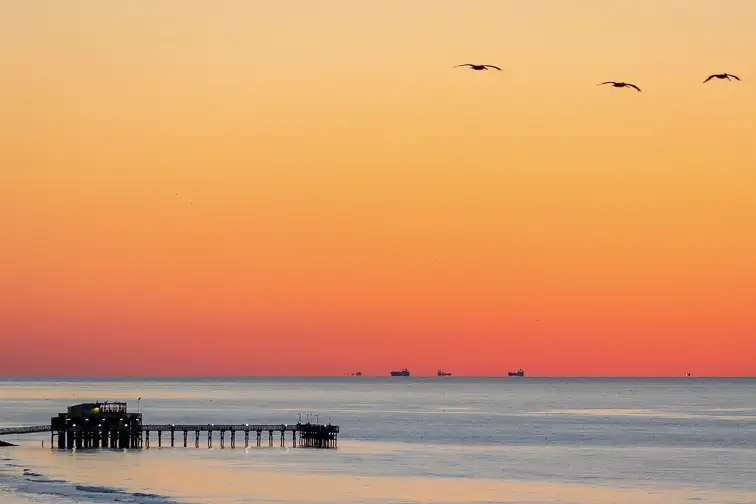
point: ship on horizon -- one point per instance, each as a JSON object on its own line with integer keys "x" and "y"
{"x": 443, "y": 373}
{"x": 401, "y": 372}
{"x": 519, "y": 372}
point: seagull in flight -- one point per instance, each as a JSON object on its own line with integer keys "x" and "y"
{"x": 620, "y": 85}
{"x": 721, "y": 76}
{"x": 478, "y": 67}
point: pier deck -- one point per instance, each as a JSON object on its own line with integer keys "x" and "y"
{"x": 7, "y": 431}
{"x": 302, "y": 435}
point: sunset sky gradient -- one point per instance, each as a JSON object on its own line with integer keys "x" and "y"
{"x": 358, "y": 204}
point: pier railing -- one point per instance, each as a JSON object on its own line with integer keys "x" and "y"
{"x": 8, "y": 431}
{"x": 225, "y": 427}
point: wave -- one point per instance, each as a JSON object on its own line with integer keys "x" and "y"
{"x": 30, "y": 485}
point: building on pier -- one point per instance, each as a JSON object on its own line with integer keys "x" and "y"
{"x": 96, "y": 425}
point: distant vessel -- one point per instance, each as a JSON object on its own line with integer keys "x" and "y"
{"x": 519, "y": 372}
{"x": 403, "y": 372}
{"x": 688, "y": 375}
{"x": 358, "y": 373}
{"x": 443, "y": 373}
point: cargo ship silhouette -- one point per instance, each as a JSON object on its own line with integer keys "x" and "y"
{"x": 443, "y": 373}
{"x": 519, "y": 372}
{"x": 402, "y": 372}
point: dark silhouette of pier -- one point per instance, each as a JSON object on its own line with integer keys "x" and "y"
{"x": 307, "y": 435}
{"x": 7, "y": 431}
{"x": 109, "y": 425}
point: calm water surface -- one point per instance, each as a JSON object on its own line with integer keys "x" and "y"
{"x": 404, "y": 440}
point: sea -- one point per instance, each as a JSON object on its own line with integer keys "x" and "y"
{"x": 403, "y": 440}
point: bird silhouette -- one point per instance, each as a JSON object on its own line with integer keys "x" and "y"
{"x": 620, "y": 85}
{"x": 478, "y": 67}
{"x": 721, "y": 76}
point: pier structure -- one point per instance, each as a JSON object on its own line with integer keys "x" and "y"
{"x": 302, "y": 435}
{"x": 110, "y": 425}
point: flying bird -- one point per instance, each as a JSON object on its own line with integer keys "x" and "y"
{"x": 721, "y": 76}
{"x": 620, "y": 85}
{"x": 478, "y": 67}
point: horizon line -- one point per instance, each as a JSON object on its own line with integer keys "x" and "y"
{"x": 514, "y": 378}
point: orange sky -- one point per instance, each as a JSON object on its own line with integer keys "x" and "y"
{"x": 357, "y": 204}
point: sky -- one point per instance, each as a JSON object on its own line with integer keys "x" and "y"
{"x": 294, "y": 187}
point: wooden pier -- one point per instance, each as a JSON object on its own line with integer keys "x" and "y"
{"x": 109, "y": 425}
{"x": 302, "y": 435}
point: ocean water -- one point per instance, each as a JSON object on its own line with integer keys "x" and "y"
{"x": 403, "y": 440}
